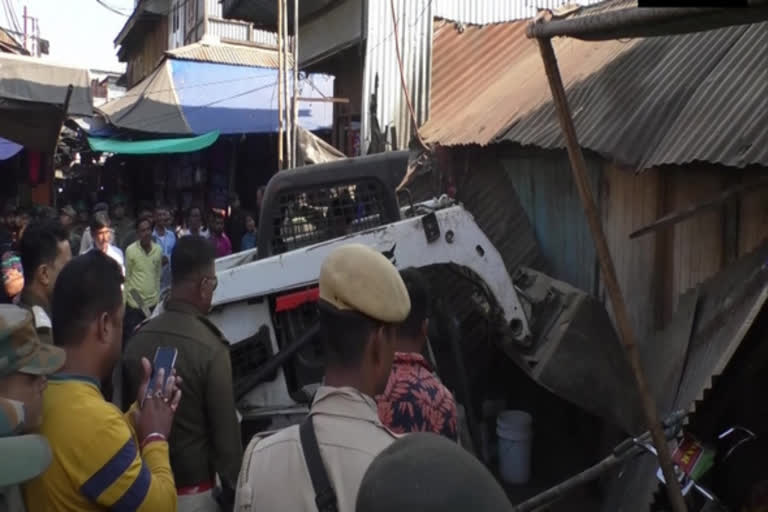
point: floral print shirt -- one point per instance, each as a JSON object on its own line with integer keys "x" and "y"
{"x": 415, "y": 400}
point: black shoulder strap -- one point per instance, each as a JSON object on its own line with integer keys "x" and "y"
{"x": 325, "y": 496}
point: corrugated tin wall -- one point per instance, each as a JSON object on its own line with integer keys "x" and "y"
{"x": 226, "y": 29}
{"x": 482, "y": 12}
{"x": 546, "y": 190}
{"x": 415, "y": 25}
{"x": 213, "y": 8}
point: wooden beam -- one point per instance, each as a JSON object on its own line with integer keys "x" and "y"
{"x": 711, "y": 204}
{"x": 624, "y": 328}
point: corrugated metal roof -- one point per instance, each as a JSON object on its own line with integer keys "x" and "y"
{"x": 222, "y": 53}
{"x": 641, "y": 102}
{"x": 415, "y": 28}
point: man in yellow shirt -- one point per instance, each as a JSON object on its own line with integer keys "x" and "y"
{"x": 102, "y": 460}
{"x": 143, "y": 271}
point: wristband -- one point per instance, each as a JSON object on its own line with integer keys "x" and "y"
{"x": 154, "y": 436}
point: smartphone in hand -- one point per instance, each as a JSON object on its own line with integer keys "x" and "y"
{"x": 165, "y": 359}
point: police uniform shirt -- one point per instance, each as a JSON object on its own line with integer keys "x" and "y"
{"x": 205, "y": 439}
{"x": 350, "y": 436}
{"x": 41, "y": 313}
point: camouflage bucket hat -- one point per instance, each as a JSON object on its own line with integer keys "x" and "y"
{"x": 20, "y": 348}
{"x": 24, "y": 458}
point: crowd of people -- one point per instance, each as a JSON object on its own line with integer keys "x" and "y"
{"x": 380, "y": 414}
{"x": 141, "y": 245}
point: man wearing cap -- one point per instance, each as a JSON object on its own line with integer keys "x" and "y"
{"x": 24, "y": 364}
{"x": 362, "y": 299}
{"x": 44, "y": 251}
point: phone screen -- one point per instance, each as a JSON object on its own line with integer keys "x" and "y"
{"x": 165, "y": 358}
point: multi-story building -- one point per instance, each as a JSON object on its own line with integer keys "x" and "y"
{"x": 156, "y": 26}
{"x": 105, "y": 87}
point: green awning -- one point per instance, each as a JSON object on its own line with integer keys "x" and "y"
{"x": 153, "y": 147}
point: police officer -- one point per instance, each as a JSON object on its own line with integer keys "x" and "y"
{"x": 24, "y": 364}
{"x": 206, "y": 437}
{"x": 362, "y": 299}
{"x": 44, "y": 251}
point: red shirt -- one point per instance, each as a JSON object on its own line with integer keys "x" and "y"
{"x": 223, "y": 245}
{"x": 415, "y": 400}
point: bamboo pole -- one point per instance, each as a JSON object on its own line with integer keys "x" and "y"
{"x": 626, "y": 335}
{"x": 279, "y": 85}
{"x": 295, "y": 103}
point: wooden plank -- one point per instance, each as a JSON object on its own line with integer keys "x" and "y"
{"x": 753, "y": 221}
{"x": 628, "y": 200}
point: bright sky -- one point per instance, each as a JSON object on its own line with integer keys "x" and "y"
{"x": 81, "y": 32}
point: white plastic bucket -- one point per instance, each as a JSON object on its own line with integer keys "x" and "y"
{"x": 514, "y": 431}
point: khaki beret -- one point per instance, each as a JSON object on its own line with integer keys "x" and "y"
{"x": 355, "y": 277}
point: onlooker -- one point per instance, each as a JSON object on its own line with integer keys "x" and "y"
{"x": 25, "y": 365}
{"x": 166, "y": 238}
{"x": 250, "y": 238}
{"x": 102, "y": 236}
{"x": 414, "y": 399}
{"x": 67, "y": 217}
{"x": 86, "y": 242}
{"x": 206, "y": 432}
{"x": 423, "y": 472}
{"x": 101, "y": 458}
{"x": 194, "y": 224}
{"x": 10, "y": 268}
{"x": 44, "y": 251}
{"x": 26, "y": 362}
{"x": 123, "y": 225}
{"x": 23, "y": 218}
{"x": 259, "y": 201}
{"x": 25, "y": 456}
{"x": 235, "y": 223}
{"x": 362, "y": 298}
{"x": 131, "y": 234}
{"x": 219, "y": 237}
{"x": 143, "y": 270}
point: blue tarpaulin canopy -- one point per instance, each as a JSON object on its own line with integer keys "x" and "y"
{"x": 192, "y": 97}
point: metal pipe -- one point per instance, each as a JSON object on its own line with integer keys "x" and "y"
{"x": 279, "y": 85}
{"x": 286, "y": 96}
{"x": 624, "y": 328}
{"x": 295, "y": 82}
{"x": 648, "y": 22}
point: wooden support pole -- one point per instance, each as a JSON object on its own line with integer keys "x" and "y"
{"x": 626, "y": 335}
